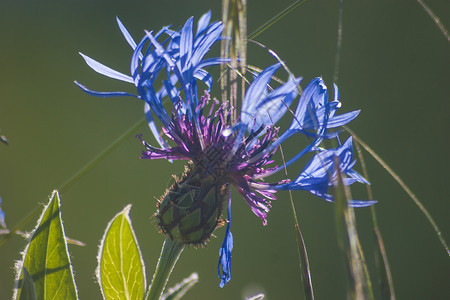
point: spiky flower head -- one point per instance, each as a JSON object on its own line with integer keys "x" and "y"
{"x": 222, "y": 154}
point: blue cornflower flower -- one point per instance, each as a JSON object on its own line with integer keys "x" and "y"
{"x": 221, "y": 154}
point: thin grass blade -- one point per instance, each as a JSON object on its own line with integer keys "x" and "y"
{"x": 234, "y": 18}
{"x": 436, "y": 19}
{"x": 385, "y": 279}
{"x": 275, "y": 19}
{"x": 340, "y": 32}
{"x": 404, "y": 187}
{"x": 305, "y": 270}
{"x": 360, "y": 286}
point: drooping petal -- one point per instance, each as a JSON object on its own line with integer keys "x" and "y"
{"x": 224, "y": 266}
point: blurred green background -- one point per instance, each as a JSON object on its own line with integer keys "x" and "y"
{"x": 395, "y": 66}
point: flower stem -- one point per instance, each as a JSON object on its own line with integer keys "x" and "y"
{"x": 170, "y": 253}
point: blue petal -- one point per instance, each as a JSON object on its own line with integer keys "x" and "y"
{"x": 320, "y": 173}
{"x": 186, "y": 44}
{"x": 357, "y": 176}
{"x": 224, "y": 266}
{"x": 310, "y": 147}
{"x": 135, "y": 59}
{"x": 336, "y": 92}
{"x": 206, "y": 42}
{"x": 203, "y": 22}
{"x": 205, "y": 77}
{"x": 318, "y": 116}
{"x": 126, "y": 34}
{"x": 254, "y": 92}
{"x": 172, "y": 91}
{"x": 360, "y": 203}
{"x": 103, "y": 94}
{"x": 312, "y": 96}
{"x": 152, "y": 125}
{"x": 343, "y": 119}
{"x": 104, "y": 70}
{"x": 212, "y": 61}
{"x": 160, "y": 51}
{"x": 275, "y": 104}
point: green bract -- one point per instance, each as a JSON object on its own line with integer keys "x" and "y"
{"x": 191, "y": 209}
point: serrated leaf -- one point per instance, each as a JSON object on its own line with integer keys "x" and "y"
{"x": 46, "y": 261}
{"x": 120, "y": 271}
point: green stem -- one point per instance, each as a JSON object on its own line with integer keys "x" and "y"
{"x": 301, "y": 247}
{"x": 170, "y": 253}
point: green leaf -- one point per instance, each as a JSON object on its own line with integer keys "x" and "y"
{"x": 28, "y": 290}
{"x": 178, "y": 291}
{"x": 46, "y": 263}
{"x": 120, "y": 271}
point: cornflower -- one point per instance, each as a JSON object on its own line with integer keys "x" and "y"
{"x": 221, "y": 154}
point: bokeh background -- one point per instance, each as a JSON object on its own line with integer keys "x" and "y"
{"x": 395, "y": 66}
